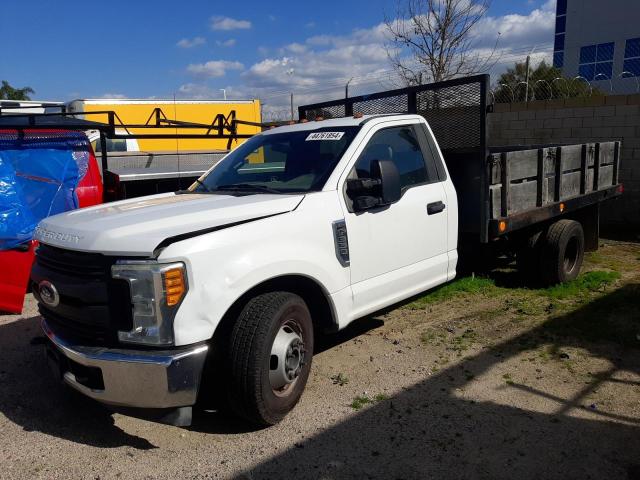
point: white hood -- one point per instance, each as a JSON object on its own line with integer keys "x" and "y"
{"x": 137, "y": 226}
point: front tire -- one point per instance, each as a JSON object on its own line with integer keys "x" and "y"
{"x": 269, "y": 357}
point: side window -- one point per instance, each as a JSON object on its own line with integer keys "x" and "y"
{"x": 400, "y": 145}
{"x": 113, "y": 145}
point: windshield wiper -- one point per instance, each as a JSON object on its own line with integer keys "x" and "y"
{"x": 248, "y": 187}
{"x": 202, "y": 184}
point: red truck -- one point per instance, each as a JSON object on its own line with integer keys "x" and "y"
{"x": 31, "y": 187}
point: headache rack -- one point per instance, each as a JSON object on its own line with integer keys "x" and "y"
{"x": 157, "y": 126}
{"x": 500, "y": 189}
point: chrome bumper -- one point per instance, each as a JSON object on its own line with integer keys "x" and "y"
{"x": 129, "y": 378}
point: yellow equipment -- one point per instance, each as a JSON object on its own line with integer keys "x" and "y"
{"x": 195, "y": 111}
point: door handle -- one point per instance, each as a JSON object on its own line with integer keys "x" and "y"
{"x": 435, "y": 207}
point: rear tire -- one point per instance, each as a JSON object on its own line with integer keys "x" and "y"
{"x": 562, "y": 252}
{"x": 269, "y": 357}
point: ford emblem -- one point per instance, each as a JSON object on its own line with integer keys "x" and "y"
{"x": 48, "y": 293}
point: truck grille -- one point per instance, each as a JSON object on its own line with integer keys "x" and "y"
{"x": 72, "y": 263}
{"x": 92, "y": 306}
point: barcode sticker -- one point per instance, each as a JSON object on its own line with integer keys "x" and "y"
{"x": 324, "y": 136}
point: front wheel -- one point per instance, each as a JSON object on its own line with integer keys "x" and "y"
{"x": 269, "y": 357}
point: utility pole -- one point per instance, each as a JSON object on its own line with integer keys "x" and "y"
{"x": 292, "y": 106}
{"x": 346, "y": 88}
{"x": 526, "y": 80}
{"x": 224, "y": 93}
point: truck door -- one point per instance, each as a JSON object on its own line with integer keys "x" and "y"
{"x": 401, "y": 249}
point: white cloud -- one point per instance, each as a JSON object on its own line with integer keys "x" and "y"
{"x": 190, "y": 43}
{"x": 310, "y": 24}
{"x": 213, "y": 68}
{"x": 117, "y": 96}
{"x": 227, "y": 23}
{"x": 515, "y": 30}
{"x": 273, "y": 18}
{"x": 226, "y": 43}
{"x": 195, "y": 91}
{"x": 318, "y": 67}
{"x": 296, "y": 48}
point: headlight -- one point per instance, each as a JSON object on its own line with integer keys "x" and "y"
{"x": 157, "y": 289}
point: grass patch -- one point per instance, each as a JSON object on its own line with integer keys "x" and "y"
{"x": 432, "y": 337}
{"x": 362, "y": 400}
{"x": 610, "y": 318}
{"x": 583, "y": 285}
{"x": 460, "y": 287}
{"x": 462, "y": 342}
{"x": 340, "y": 379}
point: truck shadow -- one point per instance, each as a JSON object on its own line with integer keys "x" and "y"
{"x": 433, "y": 430}
{"x": 32, "y": 399}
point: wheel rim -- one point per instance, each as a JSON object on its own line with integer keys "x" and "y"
{"x": 287, "y": 358}
{"x": 571, "y": 255}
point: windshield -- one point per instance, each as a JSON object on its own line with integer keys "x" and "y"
{"x": 288, "y": 162}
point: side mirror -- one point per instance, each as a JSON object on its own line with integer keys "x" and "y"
{"x": 387, "y": 172}
{"x": 380, "y": 190}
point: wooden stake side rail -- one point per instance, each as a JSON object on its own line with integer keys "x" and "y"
{"x": 548, "y": 180}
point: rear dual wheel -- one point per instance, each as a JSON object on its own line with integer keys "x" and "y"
{"x": 269, "y": 357}
{"x": 553, "y": 256}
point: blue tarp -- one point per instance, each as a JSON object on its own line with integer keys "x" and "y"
{"x": 39, "y": 173}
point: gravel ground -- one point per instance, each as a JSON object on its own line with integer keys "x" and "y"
{"x": 499, "y": 384}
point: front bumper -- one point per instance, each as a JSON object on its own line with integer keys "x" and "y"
{"x": 128, "y": 378}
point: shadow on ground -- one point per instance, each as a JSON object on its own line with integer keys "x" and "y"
{"x": 426, "y": 431}
{"x": 430, "y": 431}
{"x": 31, "y": 398}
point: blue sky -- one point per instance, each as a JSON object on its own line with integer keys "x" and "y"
{"x": 76, "y": 49}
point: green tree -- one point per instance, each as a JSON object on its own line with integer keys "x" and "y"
{"x": 7, "y": 92}
{"x": 545, "y": 81}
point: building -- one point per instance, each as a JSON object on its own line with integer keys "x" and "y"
{"x": 599, "y": 41}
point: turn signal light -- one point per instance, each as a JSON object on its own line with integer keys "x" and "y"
{"x": 502, "y": 226}
{"x": 562, "y": 207}
{"x": 174, "y": 286}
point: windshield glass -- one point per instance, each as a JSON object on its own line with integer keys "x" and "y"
{"x": 299, "y": 161}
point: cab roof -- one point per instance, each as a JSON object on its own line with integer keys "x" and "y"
{"x": 339, "y": 122}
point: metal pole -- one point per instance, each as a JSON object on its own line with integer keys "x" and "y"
{"x": 224, "y": 93}
{"x": 346, "y": 88}
{"x": 526, "y": 80}
{"x": 292, "y": 106}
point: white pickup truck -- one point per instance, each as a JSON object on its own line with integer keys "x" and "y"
{"x": 157, "y": 302}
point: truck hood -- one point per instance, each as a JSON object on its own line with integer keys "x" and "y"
{"x": 136, "y": 227}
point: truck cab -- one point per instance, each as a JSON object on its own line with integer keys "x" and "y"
{"x": 154, "y": 302}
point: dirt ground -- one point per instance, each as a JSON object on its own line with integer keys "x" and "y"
{"x": 480, "y": 379}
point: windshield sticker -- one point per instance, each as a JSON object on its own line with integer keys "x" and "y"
{"x": 325, "y": 136}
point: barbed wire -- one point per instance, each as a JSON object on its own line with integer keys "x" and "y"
{"x": 557, "y": 87}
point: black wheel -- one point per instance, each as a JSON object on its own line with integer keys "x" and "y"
{"x": 562, "y": 251}
{"x": 269, "y": 357}
{"x": 528, "y": 260}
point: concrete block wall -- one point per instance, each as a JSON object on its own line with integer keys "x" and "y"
{"x": 579, "y": 120}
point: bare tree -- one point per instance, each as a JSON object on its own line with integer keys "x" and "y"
{"x": 431, "y": 40}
